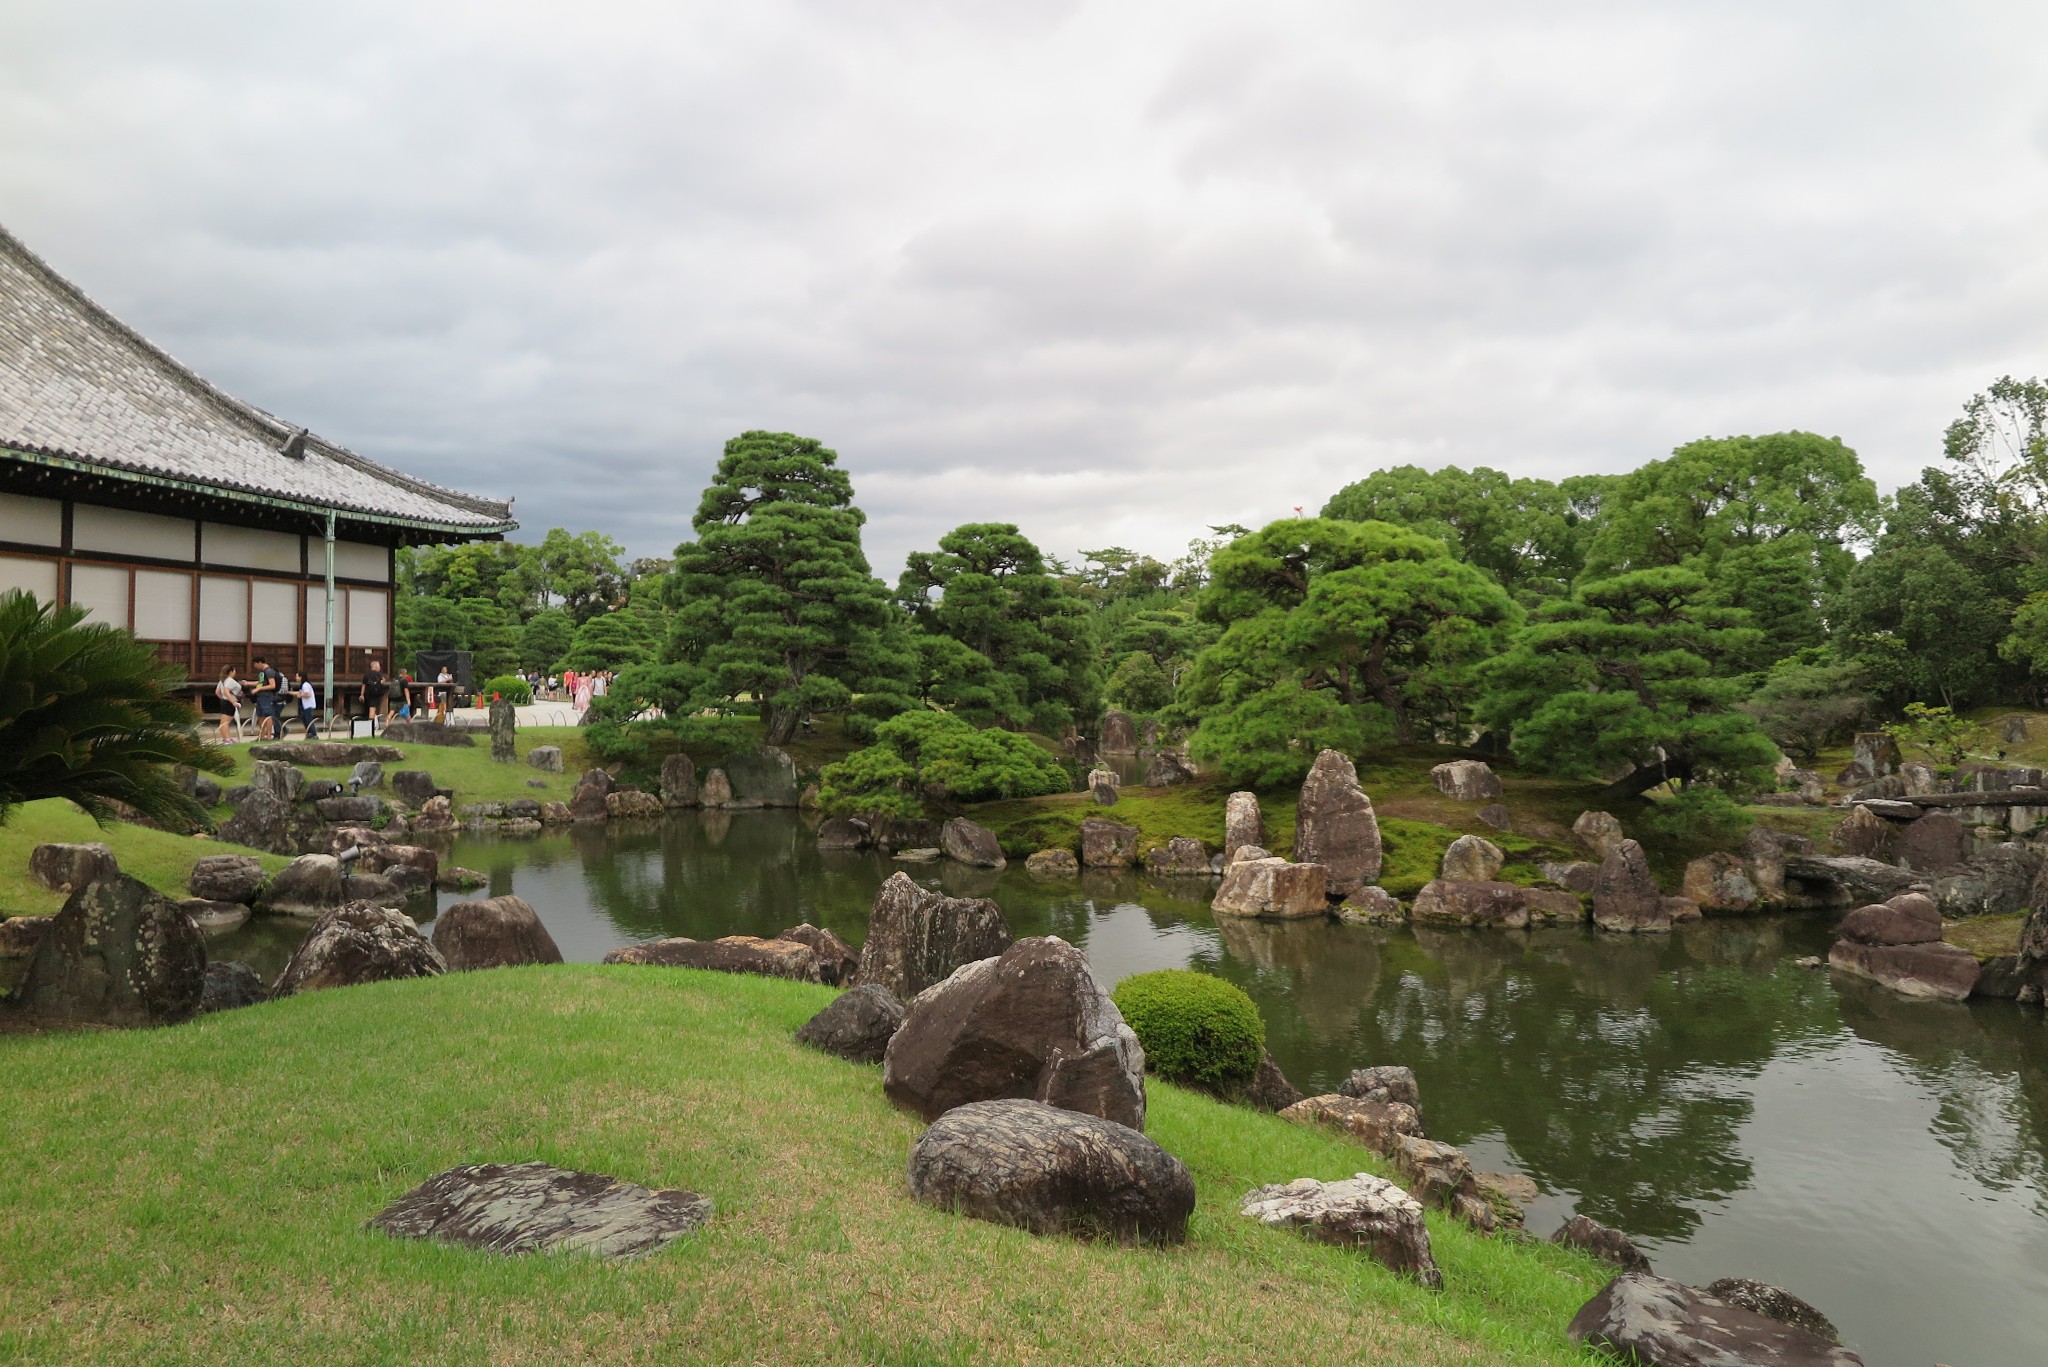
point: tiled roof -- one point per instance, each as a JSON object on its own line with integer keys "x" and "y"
{"x": 78, "y": 384}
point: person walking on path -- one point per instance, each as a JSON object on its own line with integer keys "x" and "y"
{"x": 375, "y": 688}
{"x": 269, "y": 693}
{"x": 583, "y": 686}
{"x": 445, "y": 684}
{"x": 309, "y": 706}
{"x": 227, "y": 699}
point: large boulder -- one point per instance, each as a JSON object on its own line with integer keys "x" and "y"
{"x": 1551, "y": 907}
{"x": 277, "y": 778}
{"x": 229, "y": 987}
{"x": 970, "y": 843}
{"x": 326, "y": 754}
{"x": 1721, "y": 883}
{"x": 1273, "y": 888}
{"x": 310, "y": 885}
{"x": 1181, "y": 855}
{"x": 416, "y": 787}
{"x": 1943, "y": 971}
{"x": 1573, "y": 875}
{"x": 1168, "y": 768}
{"x": 415, "y": 868}
{"x": 1049, "y": 864}
{"x": 917, "y": 937}
{"x": 1472, "y": 859}
{"x": 1876, "y": 752}
{"x": 1908, "y": 919}
{"x": 732, "y": 954}
{"x": 1764, "y": 852}
{"x": 116, "y": 954}
{"x": 537, "y": 1208}
{"x": 763, "y": 778}
{"x": 546, "y": 758}
{"x": 1032, "y": 1022}
{"x": 858, "y": 1025}
{"x": 67, "y": 868}
{"x": 358, "y": 943}
{"x": 437, "y": 813}
{"x": 1363, "y": 1212}
{"x": 1625, "y": 897}
{"x": 1599, "y": 832}
{"x": 1467, "y": 780}
{"x": 844, "y": 833}
{"x": 679, "y": 781}
{"x": 1378, "y": 1124}
{"x": 626, "y": 803}
{"x": 350, "y": 811}
{"x": 262, "y": 821}
{"x": 1103, "y": 785}
{"x": 1052, "y": 1171}
{"x": 1997, "y": 882}
{"x": 1845, "y": 878}
{"x": 1608, "y": 1245}
{"x": 1936, "y": 842}
{"x": 1444, "y": 902}
{"x": 837, "y": 961}
{"x": 1667, "y": 1324}
{"x": 493, "y": 932}
{"x": 1119, "y": 734}
{"x": 1243, "y": 824}
{"x": 587, "y": 803}
{"x": 715, "y": 790}
{"x": 1863, "y": 834}
{"x": 427, "y": 733}
{"x": 1107, "y": 845}
{"x": 1334, "y": 825}
{"x": 1773, "y": 1303}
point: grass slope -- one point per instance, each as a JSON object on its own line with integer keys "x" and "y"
{"x": 469, "y": 770}
{"x": 197, "y": 1195}
{"x": 158, "y": 858}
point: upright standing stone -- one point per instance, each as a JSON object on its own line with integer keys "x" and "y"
{"x": 1877, "y": 752}
{"x": 763, "y": 778}
{"x": 1934, "y": 842}
{"x": 1865, "y": 834}
{"x": 587, "y": 803}
{"x": 1242, "y": 825}
{"x": 504, "y": 727}
{"x": 1103, "y": 784}
{"x": 679, "y": 781}
{"x": 917, "y": 938}
{"x": 1599, "y": 832}
{"x": 1626, "y": 897}
{"x": 1107, "y": 845}
{"x": 2013, "y": 730}
{"x": 1473, "y": 860}
{"x": 1119, "y": 734}
{"x": 277, "y": 778}
{"x": 716, "y": 790}
{"x": 1334, "y": 825}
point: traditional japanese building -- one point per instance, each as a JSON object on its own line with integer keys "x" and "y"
{"x": 208, "y": 527}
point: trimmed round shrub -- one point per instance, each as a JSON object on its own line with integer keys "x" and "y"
{"x": 1195, "y": 1028}
{"x": 516, "y": 690}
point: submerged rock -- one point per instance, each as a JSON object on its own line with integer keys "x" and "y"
{"x": 1446, "y": 902}
{"x": 1273, "y": 888}
{"x": 1773, "y": 1303}
{"x": 1667, "y": 1324}
{"x": 1052, "y": 1171}
{"x": 1625, "y": 896}
{"x": 1363, "y": 1212}
{"x": 538, "y": 1208}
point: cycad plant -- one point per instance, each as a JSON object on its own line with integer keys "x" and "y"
{"x": 87, "y": 713}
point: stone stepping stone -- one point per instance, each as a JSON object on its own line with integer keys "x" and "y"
{"x": 540, "y": 1208}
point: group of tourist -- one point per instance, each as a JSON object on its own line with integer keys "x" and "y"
{"x": 277, "y": 700}
{"x": 571, "y": 686}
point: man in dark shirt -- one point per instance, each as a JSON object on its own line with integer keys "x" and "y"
{"x": 268, "y": 694}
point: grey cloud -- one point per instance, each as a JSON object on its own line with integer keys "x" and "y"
{"x": 1113, "y": 271}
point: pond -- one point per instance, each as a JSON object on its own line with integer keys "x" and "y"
{"x": 1886, "y": 1159}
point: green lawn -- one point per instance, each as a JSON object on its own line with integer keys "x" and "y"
{"x": 469, "y": 770}
{"x": 197, "y": 1196}
{"x": 158, "y": 858}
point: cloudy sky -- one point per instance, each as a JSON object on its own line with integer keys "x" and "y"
{"x": 1111, "y": 271}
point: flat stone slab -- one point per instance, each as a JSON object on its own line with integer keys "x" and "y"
{"x": 540, "y": 1208}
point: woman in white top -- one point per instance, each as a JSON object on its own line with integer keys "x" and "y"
{"x": 227, "y": 699}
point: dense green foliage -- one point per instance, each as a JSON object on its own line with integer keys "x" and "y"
{"x": 1194, "y": 1028}
{"x": 923, "y": 755}
{"x": 1138, "y": 684}
{"x": 510, "y": 687}
{"x": 1016, "y": 648}
{"x": 774, "y": 599}
{"x": 87, "y": 713}
{"x": 1632, "y": 675}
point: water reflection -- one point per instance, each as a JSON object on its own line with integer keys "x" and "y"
{"x": 1736, "y": 1114}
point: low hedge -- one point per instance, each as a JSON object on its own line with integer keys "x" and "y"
{"x": 1195, "y": 1029}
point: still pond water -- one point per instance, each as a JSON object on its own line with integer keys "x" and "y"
{"x": 1886, "y": 1159}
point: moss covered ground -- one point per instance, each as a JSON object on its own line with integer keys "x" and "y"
{"x": 158, "y": 858}
{"x": 468, "y": 769}
{"x": 197, "y": 1195}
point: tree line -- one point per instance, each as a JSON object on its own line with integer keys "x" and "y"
{"x": 1681, "y": 623}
